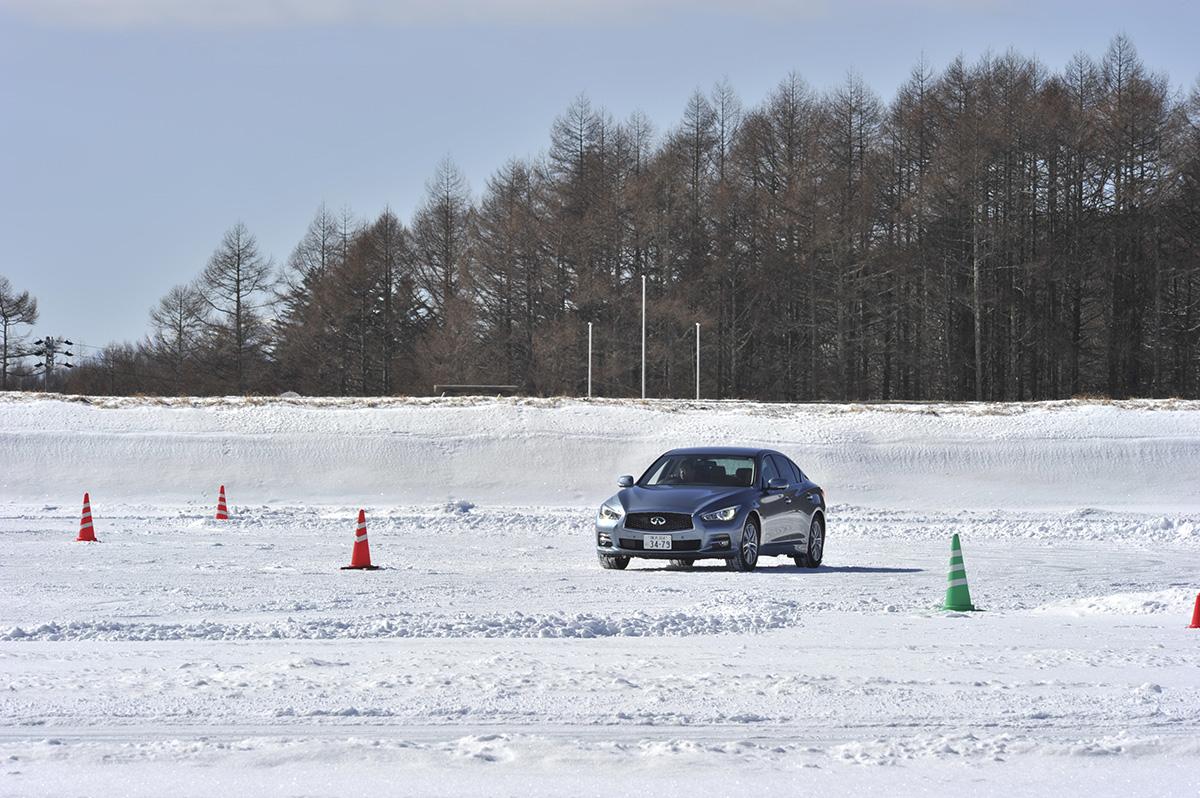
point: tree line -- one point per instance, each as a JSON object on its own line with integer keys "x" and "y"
{"x": 996, "y": 231}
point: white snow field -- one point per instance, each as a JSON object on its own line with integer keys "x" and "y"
{"x": 492, "y": 656}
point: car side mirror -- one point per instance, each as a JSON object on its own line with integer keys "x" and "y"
{"x": 777, "y": 484}
{"x": 625, "y": 481}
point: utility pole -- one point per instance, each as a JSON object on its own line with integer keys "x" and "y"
{"x": 643, "y": 336}
{"x": 697, "y": 361}
{"x": 589, "y": 360}
{"x": 50, "y": 349}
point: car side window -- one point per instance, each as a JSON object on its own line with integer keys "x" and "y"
{"x": 785, "y": 469}
{"x": 770, "y": 470}
{"x": 797, "y": 474}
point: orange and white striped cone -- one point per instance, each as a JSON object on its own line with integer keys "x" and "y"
{"x": 86, "y": 533}
{"x": 360, "y": 558}
{"x": 222, "y": 508}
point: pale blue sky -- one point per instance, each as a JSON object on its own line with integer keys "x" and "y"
{"x": 134, "y": 132}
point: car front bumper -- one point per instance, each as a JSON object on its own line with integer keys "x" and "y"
{"x": 705, "y": 540}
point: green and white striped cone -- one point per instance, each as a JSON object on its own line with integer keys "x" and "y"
{"x": 958, "y": 597}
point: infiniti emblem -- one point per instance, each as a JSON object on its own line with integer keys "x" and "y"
{"x": 658, "y": 520}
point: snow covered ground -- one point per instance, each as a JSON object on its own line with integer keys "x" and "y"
{"x": 183, "y": 656}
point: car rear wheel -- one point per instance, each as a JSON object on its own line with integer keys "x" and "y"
{"x": 614, "y": 562}
{"x": 681, "y": 565}
{"x": 816, "y": 545}
{"x": 746, "y": 556}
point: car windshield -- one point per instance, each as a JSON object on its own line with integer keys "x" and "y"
{"x": 700, "y": 469}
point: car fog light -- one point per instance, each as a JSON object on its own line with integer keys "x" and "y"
{"x": 603, "y": 539}
{"x": 721, "y": 541}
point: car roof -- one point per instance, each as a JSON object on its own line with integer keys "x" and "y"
{"x": 741, "y": 451}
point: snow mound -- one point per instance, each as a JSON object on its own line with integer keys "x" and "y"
{"x": 682, "y": 623}
{"x": 969, "y": 747}
{"x": 1072, "y": 526}
{"x": 1174, "y": 600}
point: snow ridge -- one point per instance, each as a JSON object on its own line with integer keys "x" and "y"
{"x": 1138, "y": 454}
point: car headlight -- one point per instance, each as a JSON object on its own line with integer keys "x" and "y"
{"x": 728, "y": 514}
{"x": 609, "y": 514}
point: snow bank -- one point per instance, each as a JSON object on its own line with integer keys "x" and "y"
{"x": 1123, "y": 455}
{"x": 516, "y": 624}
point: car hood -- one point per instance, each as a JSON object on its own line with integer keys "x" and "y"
{"x": 676, "y": 499}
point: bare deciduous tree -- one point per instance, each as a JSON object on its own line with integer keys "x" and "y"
{"x": 15, "y": 309}
{"x": 177, "y": 327}
{"x": 235, "y": 285}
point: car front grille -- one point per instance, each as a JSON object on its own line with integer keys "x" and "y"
{"x": 633, "y": 544}
{"x": 658, "y": 522}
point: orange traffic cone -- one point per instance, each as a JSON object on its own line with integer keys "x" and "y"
{"x": 360, "y": 558}
{"x": 222, "y": 508}
{"x": 1196, "y": 614}
{"x": 86, "y": 533}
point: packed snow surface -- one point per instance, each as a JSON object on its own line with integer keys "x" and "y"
{"x": 492, "y": 656}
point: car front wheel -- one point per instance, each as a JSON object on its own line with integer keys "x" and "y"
{"x": 614, "y": 562}
{"x": 746, "y": 556}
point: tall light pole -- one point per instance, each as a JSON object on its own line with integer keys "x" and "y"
{"x": 643, "y": 336}
{"x": 697, "y": 361}
{"x": 589, "y": 360}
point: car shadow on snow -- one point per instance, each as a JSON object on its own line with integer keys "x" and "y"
{"x": 852, "y": 569}
{"x": 791, "y": 569}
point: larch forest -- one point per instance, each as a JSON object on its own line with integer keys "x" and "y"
{"x": 997, "y": 231}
